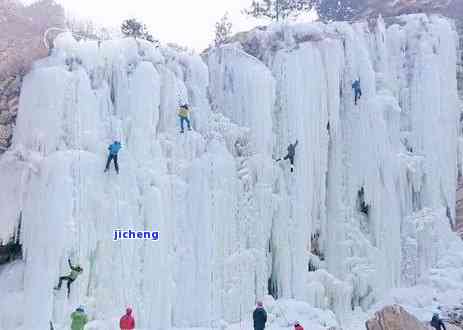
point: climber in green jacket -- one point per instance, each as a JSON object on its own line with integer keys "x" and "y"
{"x": 79, "y": 319}
{"x": 75, "y": 271}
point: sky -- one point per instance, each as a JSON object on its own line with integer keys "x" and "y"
{"x": 188, "y": 23}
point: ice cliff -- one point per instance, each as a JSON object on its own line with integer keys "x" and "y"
{"x": 369, "y": 206}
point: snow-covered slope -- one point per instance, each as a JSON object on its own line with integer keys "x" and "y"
{"x": 234, "y": 224}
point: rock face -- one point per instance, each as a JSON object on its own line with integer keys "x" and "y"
{"x": 22, "y": 31}
{"x": 452, "y": 327}
{"x": 394, "y": 318}
{"x": 9, "y": 103}
{"x": 401, "y": 7}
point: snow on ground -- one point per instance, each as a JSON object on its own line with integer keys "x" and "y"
{"x": 234, "y": 224}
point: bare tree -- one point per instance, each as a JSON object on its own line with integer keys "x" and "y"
{"x": 136, "y": 29}
{"x": 279, "y": 9}
{"x": 223, "y": 30}
{"x": 21, "y": 33}
{"x": 340, "y": 10}
{"x": 82, "y": 29}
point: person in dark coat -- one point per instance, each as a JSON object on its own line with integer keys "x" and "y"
{"x": 437, "y": 323}
{"x": 291, "y": 154}
{"x": 357, "y": 90}
{"x": 113, "y": 151}
{"x": 259, "y": 316}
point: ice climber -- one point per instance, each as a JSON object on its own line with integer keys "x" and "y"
{"x": 127, "y": 321}
{"x": 259, "y": 316}
{"x": 291, "y": 154}
{"x": 357, "y": 90}
{"x": 113, "y": 151}
{"x": 437, "y": 323}
{"x": 79, "y": 319}
{"x": 183, "y": 113}
{"x": 298, "y": 326}
{"x": 75, "y": 271}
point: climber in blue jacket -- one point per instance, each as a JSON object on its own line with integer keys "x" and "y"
{"x": 113, "y": 151}
{"x": 357, "y": 90}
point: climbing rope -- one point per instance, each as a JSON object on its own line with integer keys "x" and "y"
{"x": 241, "y": 305}
{"x": 212, "y": 232}
{"x": 79, "y": 175}
{"x": 123, "y": 264}
{"x": 244, "y": 165}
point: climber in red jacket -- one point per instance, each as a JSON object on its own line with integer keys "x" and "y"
{"x": 297, "y": 326}
{"x": 127, "y": 321}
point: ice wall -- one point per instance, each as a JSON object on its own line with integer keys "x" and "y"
{"x": 338, "y": 233}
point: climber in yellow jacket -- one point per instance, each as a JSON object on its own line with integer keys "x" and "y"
{"x": 184, "y": 112}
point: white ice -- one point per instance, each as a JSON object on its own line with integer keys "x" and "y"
{"x": 232, "y": 221}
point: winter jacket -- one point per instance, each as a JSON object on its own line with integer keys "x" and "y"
{"x": 79, "y": 319}
{"x": 292, "y": 149}
{"x": 75, "y": 273}
{"x": 183, "y": 112}
{"x": 127, "y": 322}
{"x": 356, "y": 85}
{"x": 260, "y": 318}
{"x": 437, "y": 323}
{"x": 114, "y": 148}
{"x": 298, "y": 327}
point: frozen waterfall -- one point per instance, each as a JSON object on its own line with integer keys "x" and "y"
{"x": 369, "y": 206}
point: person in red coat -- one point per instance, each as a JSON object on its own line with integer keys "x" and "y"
{"x": 127, "y": 321}
{"x": 297, "y": 326}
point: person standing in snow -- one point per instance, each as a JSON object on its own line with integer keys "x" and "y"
{"x": 357, "y": 90}
{"x": 79, "y": 319}
{"x": 259, "y": 316}
{"x": 127, "y": 321}
{"x": 183, "y": 113}
{"x": 291, "y": 154}
{"x": 113, "y": 151}
{"x": 75, "y": 271}
{"x": 437, "y": 323}
{"x": 298, "y": 326}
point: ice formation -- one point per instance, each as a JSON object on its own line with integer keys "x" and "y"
{"x": 368, "y": 208}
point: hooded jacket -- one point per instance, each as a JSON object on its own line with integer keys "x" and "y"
{"x": 114, "y": 148}
{"x": 79, "y": 319}
{"x": 75, "y": 271}
{"x": 183, "y": 112}
{"x": 260, "y": 318}
{"x": 127, "y": 321}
